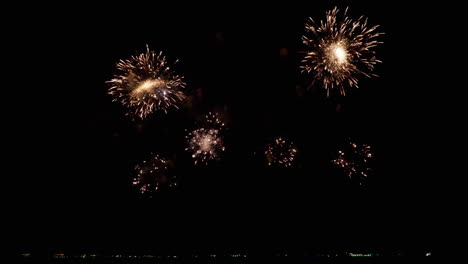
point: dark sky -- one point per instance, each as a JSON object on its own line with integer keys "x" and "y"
{"x": 76, "y": 149}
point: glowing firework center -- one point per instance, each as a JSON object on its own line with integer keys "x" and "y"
{"x": 337, "y": 54}
{"x": 149, "y": 87}
{"x": 206, "y": 141}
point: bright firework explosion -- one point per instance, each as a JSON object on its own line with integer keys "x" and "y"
{"x": 145, "y": 84}
{"x": 206, "y": 143}
{"x": 153, "y": 174}
{"x": 340, "y": 50}
{"x": 355, "y": 161}
{"x": 280, "y": 152}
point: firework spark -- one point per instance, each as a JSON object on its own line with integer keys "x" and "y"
{"x": 340, "y": 50}
{"x": 355, "y": 161}
{"x": 213, "y": 120}
{"x": 206, "y": 143}
{"x": 146, "y": 84}
{"x": 153, "y": 174}
{"x": 281, "y": 152}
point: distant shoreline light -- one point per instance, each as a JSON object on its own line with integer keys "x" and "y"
{"x": 362, "y": 255}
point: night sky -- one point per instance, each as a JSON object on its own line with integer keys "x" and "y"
{"x": 75, "y": 149}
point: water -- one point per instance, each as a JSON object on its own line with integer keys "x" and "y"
{"x": 227, "y": 260}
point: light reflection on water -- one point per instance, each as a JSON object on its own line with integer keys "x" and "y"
{"x": 310, "y": 260}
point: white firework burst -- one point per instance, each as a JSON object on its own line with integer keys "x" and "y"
{"x": 354, "y": 161}
{"x": 280, "y": 153}
{"x": 153, "y": 174}
{"x": 340, "y": 50}
{"x": 146, "y": 83}
{"x": 206, "y": 143}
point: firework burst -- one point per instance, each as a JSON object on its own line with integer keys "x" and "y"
{"x": 206, "y": 143}
{"x": 213, "y": 120}
{"x": 146, "y": 83}
{"x": 281, "y": 153}
{"x": 354, "y": 161}
{"x": 153, "y": 175}
{"x": 340, "y": 50}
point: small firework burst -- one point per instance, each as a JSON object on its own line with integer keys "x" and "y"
{"x": 281, "y": 153}
{"x": 213, "y": 120}
{"x": 354, "y": 161}
{"x": 153, "y": 175}
{"x": 145, "y": 84}
{"x": 206, "y": 143}
{"x": 340, "y": 50}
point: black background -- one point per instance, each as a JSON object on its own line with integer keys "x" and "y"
{"x": 75, "y": 150}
